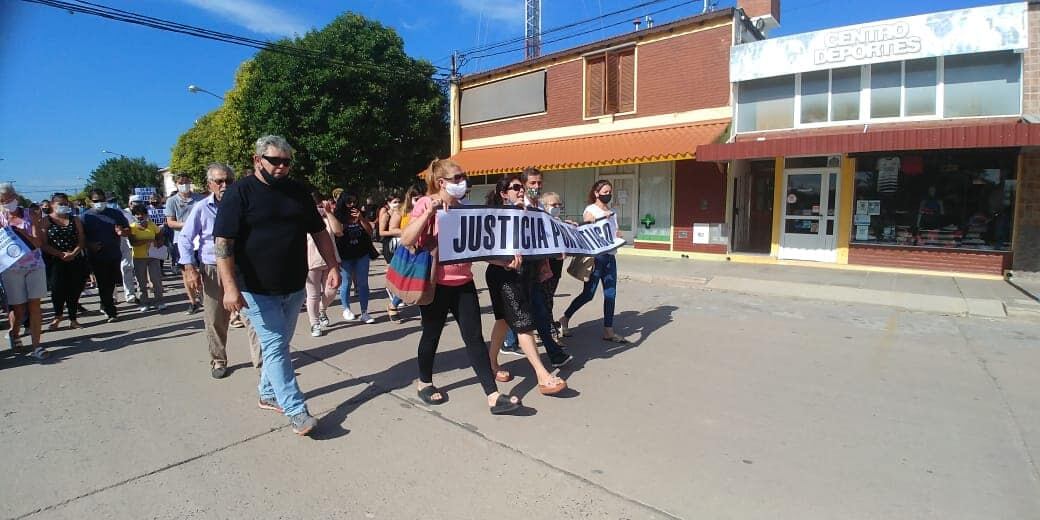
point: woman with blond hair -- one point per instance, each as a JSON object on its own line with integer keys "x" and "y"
{"x": 455, "y": 292}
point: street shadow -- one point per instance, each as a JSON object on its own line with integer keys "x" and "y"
{"x": 333, "y": 349}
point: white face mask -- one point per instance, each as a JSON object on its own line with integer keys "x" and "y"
{"x": 184, "y": 188}
{"x": 11, "y": 206}
{"x": 63, "y": 210}
{"x": 555, "y": 211}
{"x": 456, "y": 190}
{"x": 395, "y": 205}
{"x": 100, "y": 206}
{"x": 321, "y": 211}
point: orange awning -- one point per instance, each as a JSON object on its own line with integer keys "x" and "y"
{"x": 637, "y": 146}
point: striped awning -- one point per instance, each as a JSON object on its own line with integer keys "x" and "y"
{"x": 637, "y": 146}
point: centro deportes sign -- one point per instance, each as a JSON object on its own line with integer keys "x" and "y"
{"x": 965, "y": 31}
{"x": 867, "y": 43}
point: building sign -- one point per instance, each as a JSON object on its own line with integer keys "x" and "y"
{"x": 979, "y": 29}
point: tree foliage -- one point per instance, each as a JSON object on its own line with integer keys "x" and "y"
{"x": 375, "y": 119}
{"x": 118, "y": 176}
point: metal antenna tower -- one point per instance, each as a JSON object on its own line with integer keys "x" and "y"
{"x": 532, "y": 29}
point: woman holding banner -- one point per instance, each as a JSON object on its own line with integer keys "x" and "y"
{"x": 605, "y": 269}
{"x": 510, "y": 286}
{"x": 25, "y": 282}
{"x": 455, "y": 292}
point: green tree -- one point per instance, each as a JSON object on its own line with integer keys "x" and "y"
{"x": 118, "y": 176}
{"x": 371, "y": 119}
{"x": 218, "y": 136}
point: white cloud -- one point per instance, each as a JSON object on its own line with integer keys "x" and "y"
{"x": 255, "y": 16}
{"x": 507, "y": 11}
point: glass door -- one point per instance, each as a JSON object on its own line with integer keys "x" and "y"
{"x": 810, "y": 215}
{"x": 624, "y": 203}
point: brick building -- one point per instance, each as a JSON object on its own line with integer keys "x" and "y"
{"x": 631, "y": 109}
{"x": 906, "y": 143}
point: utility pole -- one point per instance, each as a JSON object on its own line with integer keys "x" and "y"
{"x": 454, "y": 104}
{"x": 532, "y": 29}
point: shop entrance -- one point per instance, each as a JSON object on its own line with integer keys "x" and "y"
{"x": 753, "y": 208}
{"x": 810, "y": 214}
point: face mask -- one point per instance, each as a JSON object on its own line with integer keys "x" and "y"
{"x": 456, "y": 190}
{"x": 533, "y": 193}
{"x": 100, "y": 206}
{"x": 11, "y": 206}
{"x": 184, "y": 188}
{"x": 46, "y": 211}
{"x": 604, "y": 199}
{"x": 271, "y": 179}
{"x": 395, "y": 205}
{"x": 555, "y": 211}
{"x": 63, "y": 210}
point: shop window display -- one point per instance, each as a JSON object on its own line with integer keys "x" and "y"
{"x": 961, "y": 200}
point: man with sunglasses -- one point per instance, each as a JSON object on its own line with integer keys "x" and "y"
{"x": 204, "y": 279}
{"x": 177, "y": 208}
{"x": 261, "y": 229}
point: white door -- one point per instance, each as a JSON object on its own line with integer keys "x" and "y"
{"x": 810, "y": 215}
{"x": 623, "y": 203}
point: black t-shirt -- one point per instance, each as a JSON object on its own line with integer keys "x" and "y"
{"x": 269, "y": 226}
{"x": 354, "y": 243}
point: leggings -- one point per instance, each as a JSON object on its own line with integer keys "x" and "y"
{"x": 67, "y": 282}
{"x": 605, "y": 270}
{"x": 319, "y": 294}
{"x": 462, "y": 302}
{"x": 354, "y": 270}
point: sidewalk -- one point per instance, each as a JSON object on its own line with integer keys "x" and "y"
{"x": 949, "y": 295}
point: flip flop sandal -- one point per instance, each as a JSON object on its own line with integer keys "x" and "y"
{"x": 553, "y": 389}
{"x": 616, "y": 339}
{"x": 505, "y": 405}
{"x": 503, "y": 376}
{"x": 426, "y": 394}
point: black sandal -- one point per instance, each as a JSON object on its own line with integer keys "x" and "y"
{"x": 505, "y": 405}
{"x": 426, "y": 394}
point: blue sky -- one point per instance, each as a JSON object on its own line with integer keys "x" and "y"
{"x": 73, "y": 84}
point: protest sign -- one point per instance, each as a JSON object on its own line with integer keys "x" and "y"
{"x": 12, "y": 248}
{"x": 144, "y": 192}
{"x": 472, "y": 233}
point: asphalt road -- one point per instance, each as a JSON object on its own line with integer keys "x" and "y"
{"x": 724, "y": 406}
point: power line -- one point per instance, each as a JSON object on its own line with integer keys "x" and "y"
{"x": 575, "y": 35}
{"x": 120, "y": 15}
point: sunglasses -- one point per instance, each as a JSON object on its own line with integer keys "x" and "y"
{"x": 227, "y": 181}
{"x": 278, "y": 161}
{"x": 459, "y": 177}
{"x": 515, "y": 187}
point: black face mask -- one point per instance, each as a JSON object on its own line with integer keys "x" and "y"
{"x": 604, "y": 199}
{"x": 271, "y": 179}
{"x": 46, "y": 211}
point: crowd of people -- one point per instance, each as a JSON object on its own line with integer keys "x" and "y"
{"x": 253, "y": 251}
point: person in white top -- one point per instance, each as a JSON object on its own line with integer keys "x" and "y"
{"x": 319, "y": 294}
{"x": 605, "y": 269}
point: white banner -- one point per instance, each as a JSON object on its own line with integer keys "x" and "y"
{"x": 12, "y": 248}
{"x": 978, "y": 29}
{"x": 474, "y": 233}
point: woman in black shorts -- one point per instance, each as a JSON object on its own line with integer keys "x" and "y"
{"x": 510, "y": 286}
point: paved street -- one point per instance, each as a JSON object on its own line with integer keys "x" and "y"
{"x": 725, "y": 405}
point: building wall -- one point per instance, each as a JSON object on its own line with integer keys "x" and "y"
{"x": 1031, "y": 65}
{"x": 700, "y": 197}
{"x": 979, "y": 262}
{"x": 1026, "y": 241}
{"x": 678, "y": 74}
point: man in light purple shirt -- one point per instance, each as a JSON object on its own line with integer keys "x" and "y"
{"x": 198, "y": 229}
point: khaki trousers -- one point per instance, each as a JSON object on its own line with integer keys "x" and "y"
{"x": 216, "y": 318}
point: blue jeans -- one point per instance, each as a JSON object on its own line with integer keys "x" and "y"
{"x": 354, "y": 270}
{"x": 605, "y": 270}
{"x": 273, "y": 317}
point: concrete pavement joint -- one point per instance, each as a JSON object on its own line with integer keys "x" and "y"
{"x": 146, "y": 475}
{"x": 1016, "y": 424}
{"x": 469, "y": 428}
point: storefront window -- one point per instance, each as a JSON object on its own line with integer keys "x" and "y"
{"x": 986, "y": 84}
{"x": 921, "y": 78}
{"x": 960, "y": 200}
{"x": 814, "y": 96}
{"x": 765, "y": 104}
{"x": 655, "y": 202}
{"x": 573, "y": 187}
{"x": 845, "y": 87}
{"x": 886, "y": 80}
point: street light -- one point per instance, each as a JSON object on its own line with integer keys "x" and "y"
{"x": 194, "y": 89}
{"x": 113, "y": 153}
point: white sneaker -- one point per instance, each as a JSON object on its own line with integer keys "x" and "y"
{"x": 161, "y": 306}
{"x": 323, "y": 319}
{"x": 316, "y": 330}
{"x": 131, "y": 299}
{"x": 349, "y": 316}
{"x": 366, "y": 318}
{"x": 143, "y": 308}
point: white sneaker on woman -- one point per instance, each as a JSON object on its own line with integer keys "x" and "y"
{"x": 316, "y": 330}
{"x": 349, "y": 316}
